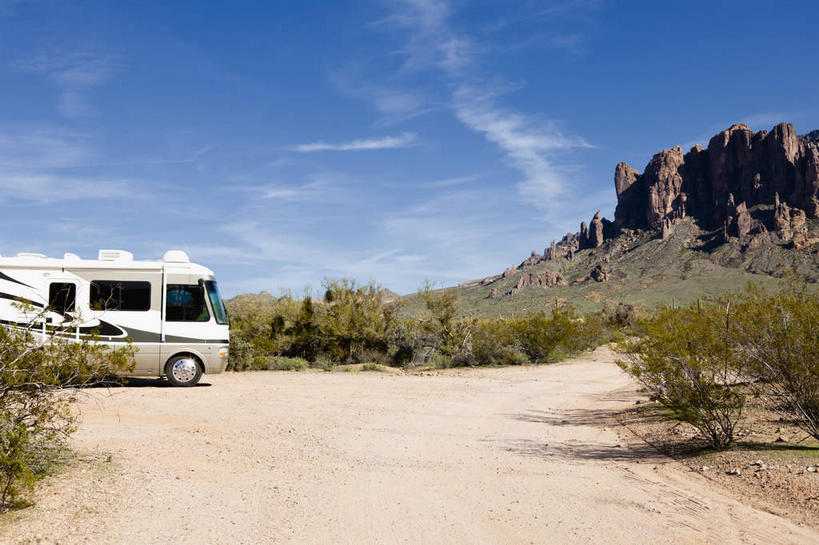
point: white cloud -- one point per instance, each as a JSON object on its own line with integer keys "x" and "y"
{"x": 448, "y": 182}
{"x": 322, "y": 187}
{"x": 36, "y": 147}
{"x": 47, "y": 188}
{"x": 75, "y": 72}
{"x": 394, "y": 105}
{"x": 387, "y": 142}
{"x": 526, "y": 144}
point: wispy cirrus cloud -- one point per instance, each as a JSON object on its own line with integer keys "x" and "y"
{"x": 361, "y": 144}
{"x": 39, "y": 147}
{"x": 75, "y": 73}
{"x": 35, "y": 162}
{"x": 527, "y": 144}
{"x": 319, "y": 189}
{"x": 45, "y": 188}
{"x": 531, "y": 146}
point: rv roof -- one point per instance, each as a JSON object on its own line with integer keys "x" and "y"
{"x": 108, "y": 259}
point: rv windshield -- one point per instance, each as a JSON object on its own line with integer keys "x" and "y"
{"x": 219, "y": 311}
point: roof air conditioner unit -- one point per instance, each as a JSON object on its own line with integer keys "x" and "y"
{"x": 176, "y": 256}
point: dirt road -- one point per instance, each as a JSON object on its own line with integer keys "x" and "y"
{"x": 514, "y": 455}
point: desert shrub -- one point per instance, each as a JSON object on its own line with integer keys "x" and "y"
{"x": 283, "y": 363}
{"x": 351, "y": 324}
{"x": 448, "y": 335}
{"x": 35, "y": 417}
{"x": 540, "y": 335}
{"x": 411, "y": 343}
{"x": 688, "y": 361}
{"x": 593, "y": 330}
{"x": 778, "y": 334}
{"x": 371, "y": 366}
{"x": 494, "y": 343}
{"x": 257, "y": 328}
{"x": 623, "y": 316}
{"x": 322, "y": 362}
{"x": 356, "y": 324}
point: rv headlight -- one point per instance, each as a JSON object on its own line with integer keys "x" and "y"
{"x": 223, "y": 352}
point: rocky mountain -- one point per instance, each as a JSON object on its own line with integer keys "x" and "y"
{"x": 742, "y": 183}
{"x": 746, "y": 204}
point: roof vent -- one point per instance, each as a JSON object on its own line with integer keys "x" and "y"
{"x": 115, "y": 255}
{"x": 71, "y": 257}
{"x": 176, "y": 256}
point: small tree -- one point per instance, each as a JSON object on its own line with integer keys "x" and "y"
{"x": 688, "y": 361}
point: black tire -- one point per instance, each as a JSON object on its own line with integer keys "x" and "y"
{"x": 183, "y": 370}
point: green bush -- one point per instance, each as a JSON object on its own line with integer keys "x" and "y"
{"x": 540, "y": 335}
{"x": 689, "y": 362}
{"x": 351, "y": 324}
{"x": 494, "y": 343}
{"x": 778, "y": 335}
{"x": 35, "y": 419}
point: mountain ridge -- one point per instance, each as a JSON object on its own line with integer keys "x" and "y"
{"x": 744, "y": 208}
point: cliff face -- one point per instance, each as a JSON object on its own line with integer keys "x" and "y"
{"x": 738, "y": 167}
{"x": 719, "y": 187}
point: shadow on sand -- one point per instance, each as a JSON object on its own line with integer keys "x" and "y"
{"x": 574, "y": 449}
{"x": 140, "y": 382}
{"x": 578, "y": 451}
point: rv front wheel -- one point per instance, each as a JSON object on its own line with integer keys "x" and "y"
{"x": 183, "y": 370}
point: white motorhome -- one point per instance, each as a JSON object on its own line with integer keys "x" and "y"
{"x": 170, "y": 310}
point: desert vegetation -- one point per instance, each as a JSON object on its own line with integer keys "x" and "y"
{"x": 351, "y": 324}
{"x": 40, "y": 379}
{"x": 703, "y": 361}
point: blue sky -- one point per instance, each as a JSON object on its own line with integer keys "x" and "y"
{"x": 281, "y": 143}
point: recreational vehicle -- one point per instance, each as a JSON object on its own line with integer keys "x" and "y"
{"x": 170, "y": 310}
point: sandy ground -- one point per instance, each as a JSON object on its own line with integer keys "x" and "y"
{"x": 514, "y": 455}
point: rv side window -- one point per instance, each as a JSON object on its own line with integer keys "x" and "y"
{"x": 186, "y": 303}
{"x": 61, "y": 297}
{"x": 120, "y": 295}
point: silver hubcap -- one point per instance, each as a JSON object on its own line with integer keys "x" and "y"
{"x": 184, "y": 370}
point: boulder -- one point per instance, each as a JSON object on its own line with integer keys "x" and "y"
{"x": 599, "y": 274}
